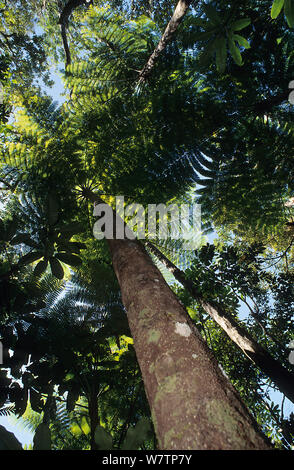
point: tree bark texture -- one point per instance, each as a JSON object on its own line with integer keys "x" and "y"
{"x": 179, "y": 13}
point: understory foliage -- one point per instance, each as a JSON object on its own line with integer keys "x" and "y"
{"x": 211, "y": 124}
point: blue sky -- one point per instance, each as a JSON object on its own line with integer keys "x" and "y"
{"x": 24, "y": 436}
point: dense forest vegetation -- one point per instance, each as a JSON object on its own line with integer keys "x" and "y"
{"x": 119, "y": 343}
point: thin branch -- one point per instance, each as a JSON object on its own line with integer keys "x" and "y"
{"x": 63, "y": 21}
{"x": 65, "y": 45}
{"x": 179, "y": 13}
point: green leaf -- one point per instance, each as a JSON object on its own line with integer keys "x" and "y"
{"x": 221, "y": 54}
{"x": 40, "y": 268}
{"x": 235, "y": 52}
{"x": 76, "y": 430}
{"x": 242, "y": 41}
{"x": 137, "y": 435}
{"x": 8, "y": 440}
{"x": 85, "y": 426}
{"x": 23, "y": 238}
{"x": 30, "y": 257}
{"x": 42, "y": 438}
{"x": 67, "y": 258}
{"x": 56, "y": 268}
{"x": 289, "y": 12}
{"x": 276, "y": 8}
{"x": 241, "y": 24}
{"x": 102, "y": 438}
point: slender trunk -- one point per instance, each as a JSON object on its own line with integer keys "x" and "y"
{"x": 65, "y": 45}
{"x": 280, "y": 376}
{"x": 179, "y": 13}
{"x": 193, "y": 404}
{"x": 93, "y": 415}
{"x": 68, "y": 9}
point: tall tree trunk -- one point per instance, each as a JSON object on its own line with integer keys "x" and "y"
{"x": 179, "y": 13}
{"x": 280, "y": 376}
{"x": 193, "y": 405}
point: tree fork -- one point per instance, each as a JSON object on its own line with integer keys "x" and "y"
{"x": 193, "y": 405}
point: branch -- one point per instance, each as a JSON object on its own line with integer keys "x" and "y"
{"x": 179, "y": 13}
{"x": 65, "y": 45}
{"x": 63, "y": 21}
{"x": 69, "y": 8}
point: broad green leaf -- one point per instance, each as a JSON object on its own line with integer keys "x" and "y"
{"x": 40, "y": 268}
{"x": 276, "y": 8}
{"x": 8, "y": 440}
{"x": 23, "y": 238}
{"x": 68, "y": 258}
{"x": 221, "y": 54}
{"x": 42, "y": 437}
{"x": 289, "y": 12}
{"x": 102, "y": 438}
{"x": 85, "y": 426}
{"x": 242, "y": 41}
{"x": 76, "y": 430}
{"x": 235, "y": 52}
{"x": 241, "y": 24}
{"x": 137, "y": 435}
{"x": 56, "y": 268}
{"x": 30, "y": 257}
